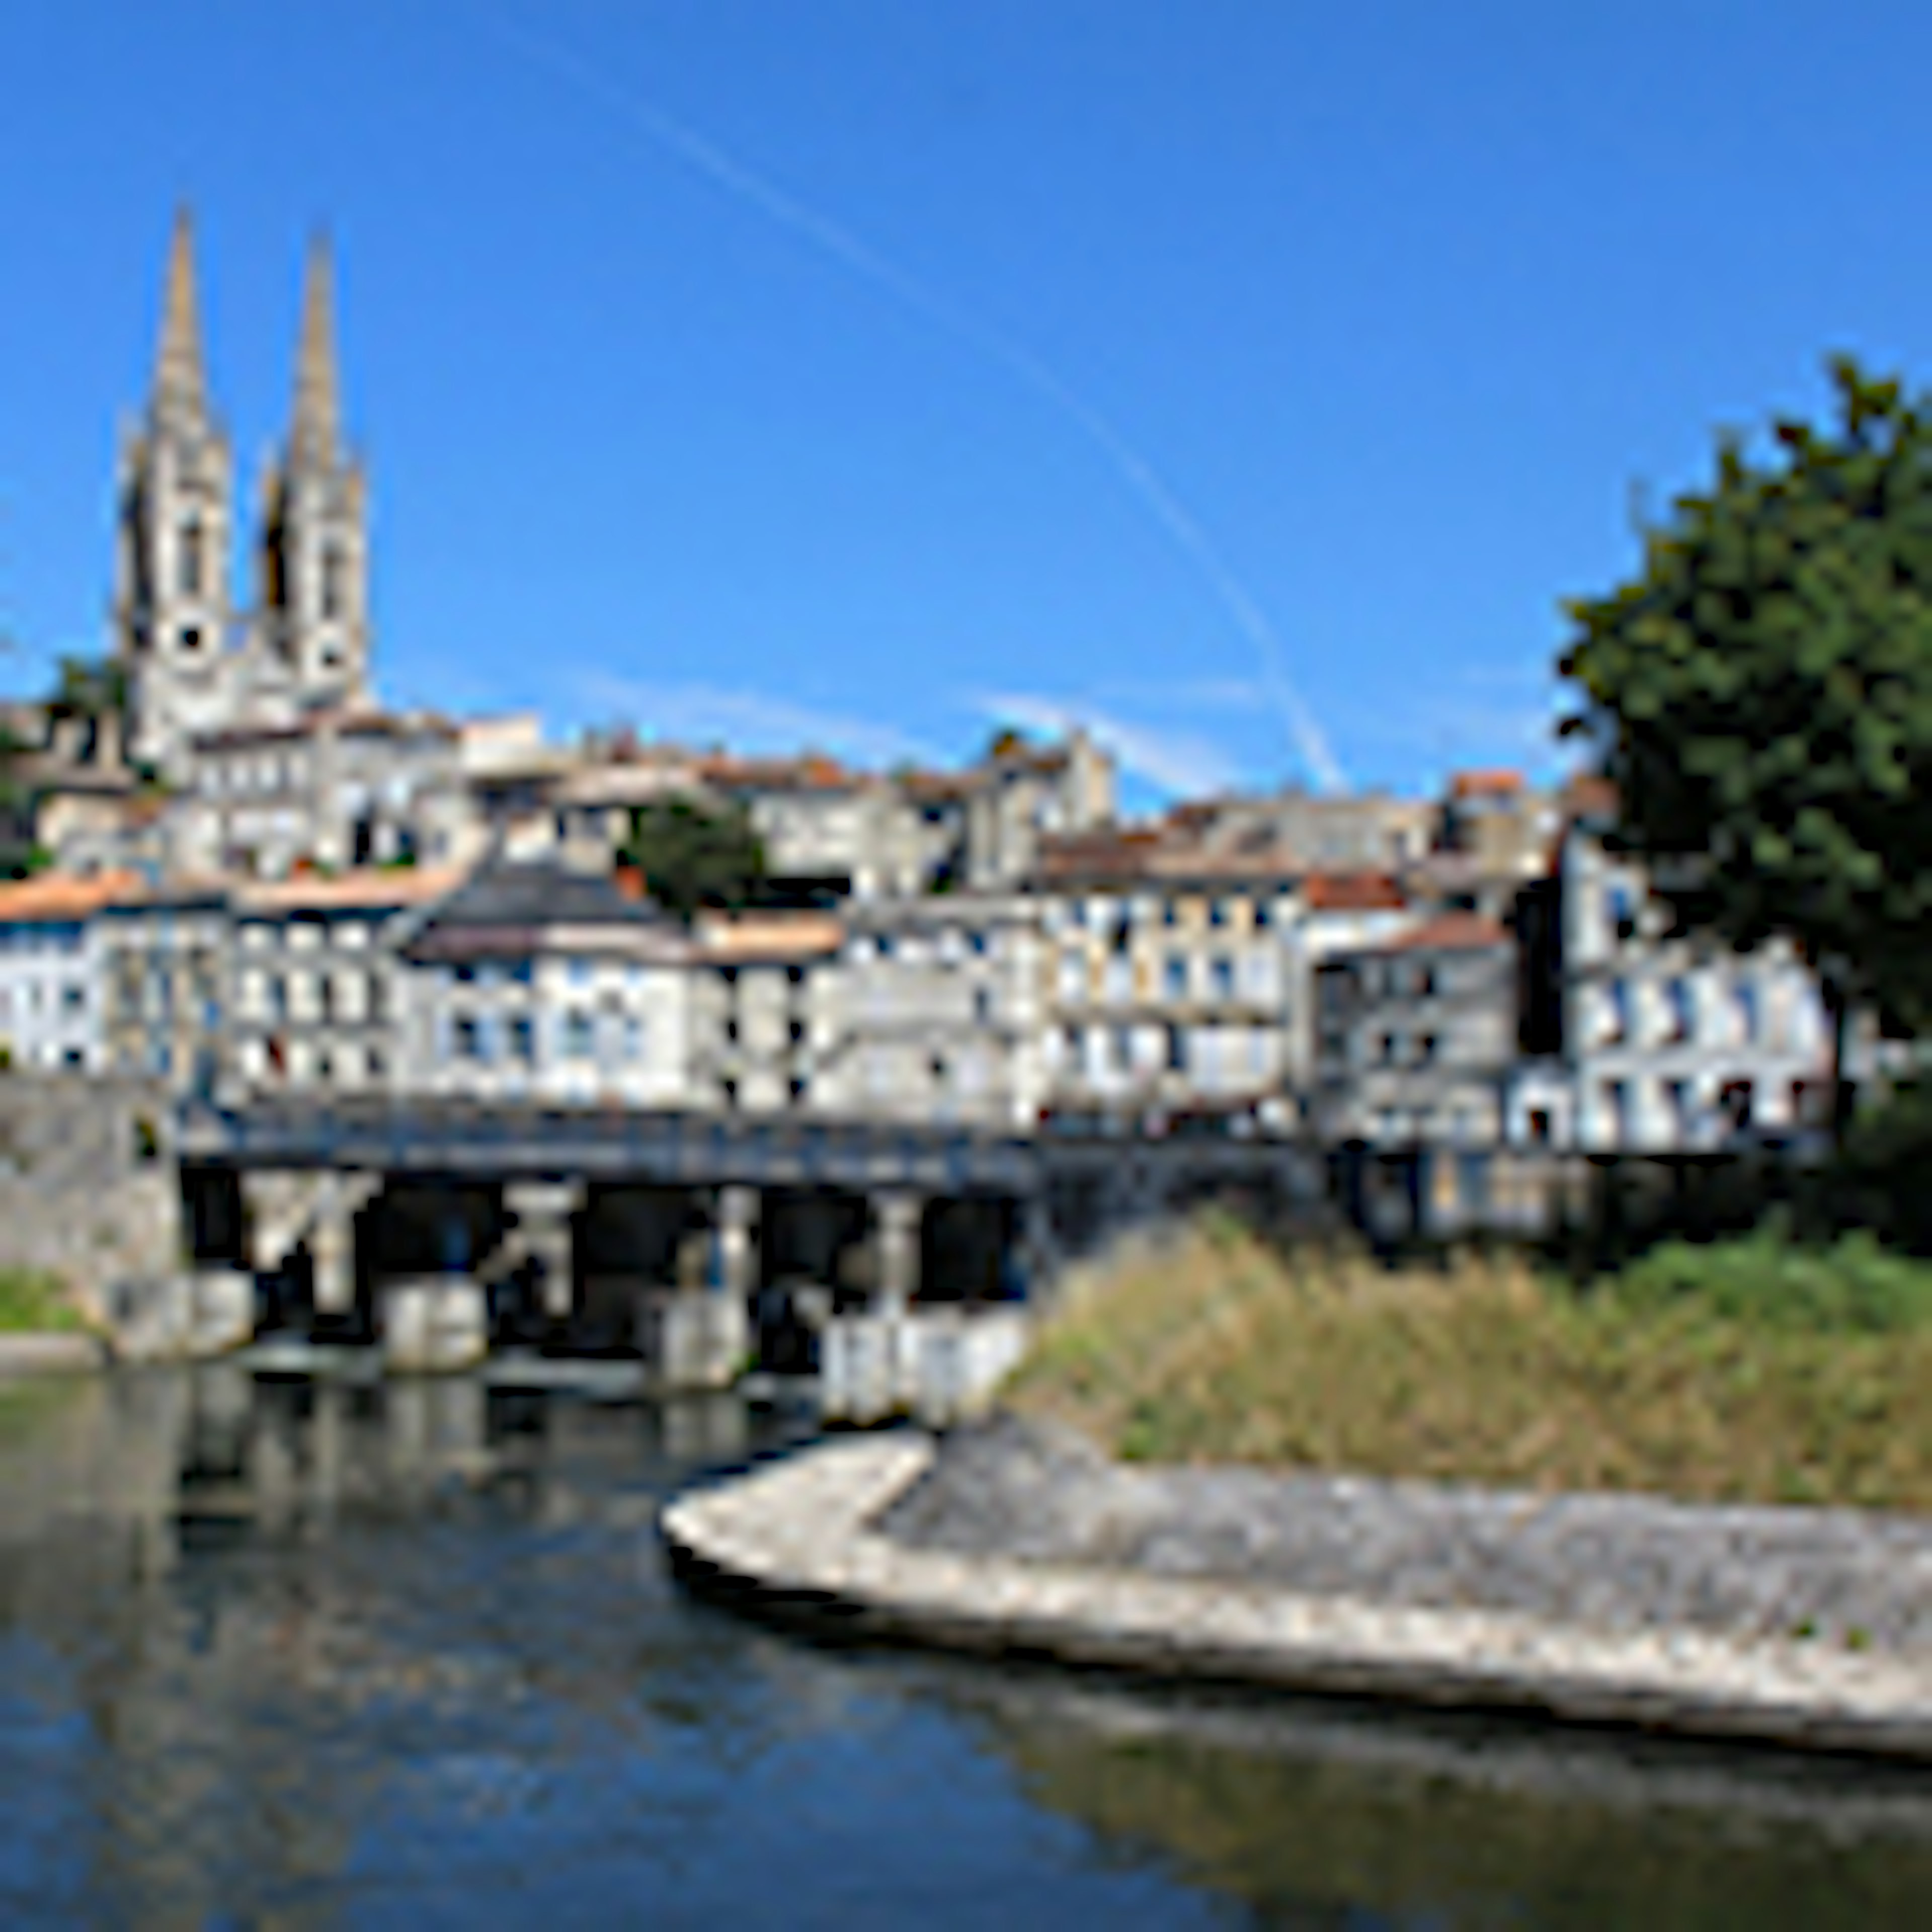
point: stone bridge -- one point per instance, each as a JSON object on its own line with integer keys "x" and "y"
{"x": 436, "y": 1227}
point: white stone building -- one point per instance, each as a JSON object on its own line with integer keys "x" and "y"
{"x": 316, "y": 974}
{"x": 942, "y": 1012}
{"x": 766, "y": 1016}
{"x": 52, "y": 972}
{"x": 330, "y": 791}
{"x": 536, "y": 983}
{"x": 1178, "y": 973}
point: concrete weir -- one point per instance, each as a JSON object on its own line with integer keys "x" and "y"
{"x": 802, "y": 1534}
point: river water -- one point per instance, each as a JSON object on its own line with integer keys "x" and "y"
{"x": 287, "y": 1654}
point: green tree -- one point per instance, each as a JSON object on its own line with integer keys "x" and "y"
{"x": 18, "y": 854}
{"x": 89, "y": 688}
{"x": 1761, "y": 696}
{"x": 694, "y": 856}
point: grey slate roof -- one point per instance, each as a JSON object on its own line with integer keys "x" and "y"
{"x": 504, "y": 909}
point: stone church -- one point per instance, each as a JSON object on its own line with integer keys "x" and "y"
{"x": 198, "y": 662}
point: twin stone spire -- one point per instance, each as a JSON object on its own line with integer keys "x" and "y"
{"x": 196, "y": 665}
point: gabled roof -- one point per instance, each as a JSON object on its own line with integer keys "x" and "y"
{"x": 512, "y": 910}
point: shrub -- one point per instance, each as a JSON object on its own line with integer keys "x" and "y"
{"x": 1855, "y": 1286}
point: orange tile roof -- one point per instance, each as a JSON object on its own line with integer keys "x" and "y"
{"x": 750, "y": 936}
{"x": 1450, "y": 932}
{"x": 350, "y": 891}
{"x": 935, "y": 785}
{"x": 1590, "y": 795}
{"x": 1484, "y": 784}
{"x": 64, "y": 895}
{"x": 812, "y": 771}
{"x": 1352, "y": 891}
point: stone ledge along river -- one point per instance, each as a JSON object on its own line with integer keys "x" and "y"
{"x": 282, "y": 1654}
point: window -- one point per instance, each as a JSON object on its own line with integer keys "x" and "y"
{"x": 982, "y": 1007}
{"x": 332, "y": 572}
{"x": 1177, "y": 1051}
{"x": 1176, "y": 976}
{"x": 190, "y": 573}
{"x": 1539, "y": 1126}
{"x": 1473, "y": 1183}
{"x": 1677, "y": 998}
{"x": 468, "y": 1036}
{"x": 1616, "y": 1017}
{"x": 1221, "y": 977}
{"x": 1620, "y": 909}
{"x": 523, "y": 1039}
{"x": 1748, "y": 1013}
{"x": 580, "y": 1036}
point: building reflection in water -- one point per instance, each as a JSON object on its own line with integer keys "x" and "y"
{"x": 296, "y": 1653}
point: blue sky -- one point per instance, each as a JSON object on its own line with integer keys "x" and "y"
{"x": 1251, "y": 378}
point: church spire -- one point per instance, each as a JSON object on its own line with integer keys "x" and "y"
{"x": 180, "y": 383}
{"x": 315, "y": 437}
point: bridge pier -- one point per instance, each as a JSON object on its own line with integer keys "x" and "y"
{"x": 735, "y": 1233}
{"x": 543, "y": 1211}
{"x": 897, "y": 1213}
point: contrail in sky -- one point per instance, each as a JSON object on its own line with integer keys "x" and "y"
{"x": 705, "y": 157}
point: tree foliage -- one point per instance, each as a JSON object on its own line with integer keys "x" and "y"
{"x": 1761, "y": 696}
{"x": 695, "y": 856}
{"x": 92, "y": 688}
{"x": 18, "y": 853}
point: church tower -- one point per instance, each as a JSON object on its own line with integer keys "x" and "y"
{"x": 313, "y": 612}
{"x": 172, "y": 610}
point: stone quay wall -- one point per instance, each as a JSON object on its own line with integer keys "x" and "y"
{"x": 88, "y": 1186}
{"x": 1005, "y": 1540}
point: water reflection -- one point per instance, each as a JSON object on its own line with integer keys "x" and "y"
{"x": 307, "y": 1654}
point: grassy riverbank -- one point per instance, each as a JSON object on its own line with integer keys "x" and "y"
{"x": 33, "y": 1302}
{"x": 1756, "y": 1372}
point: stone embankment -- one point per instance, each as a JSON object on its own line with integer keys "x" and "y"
{"x": 50, "y": 1354}
{"x": 1794, "y": 1627}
